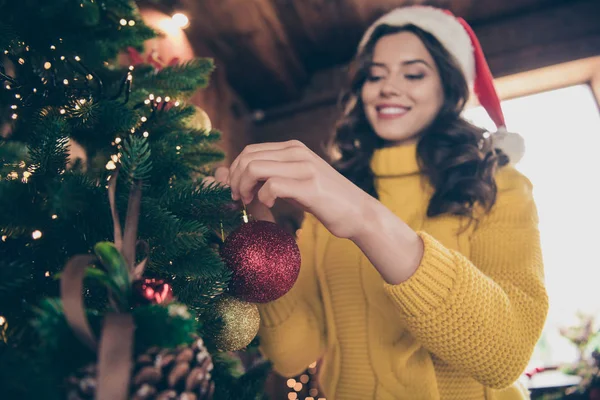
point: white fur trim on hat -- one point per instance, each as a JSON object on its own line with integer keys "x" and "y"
{"x": 512, "y": 144}
{"x": 443, "y": 26}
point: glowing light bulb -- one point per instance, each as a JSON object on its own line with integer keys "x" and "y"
{"x": 47, "y": 274}
{"x": 2, "y": 320}
{"x": 47, "y": 65}
{"x": 110, "y": 165}
{"x": 144, "y": 119}
{"x": 36, "y": 234}
{"x": 146, "y": 134}
{"x": 123, "y": 22}
{"x": 131, "y": 23}
{"x": 62, "y": 111}
{"x": 118, "y": 140}
{"x": 54, "y": 216}
{"x": 181, "y": 20}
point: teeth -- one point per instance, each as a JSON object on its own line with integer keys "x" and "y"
{"x": 392, "y": 110}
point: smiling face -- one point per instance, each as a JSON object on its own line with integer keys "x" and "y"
{"x": 403, "y": 91}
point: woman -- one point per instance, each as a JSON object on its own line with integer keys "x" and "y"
{"x": 421, "y": 269}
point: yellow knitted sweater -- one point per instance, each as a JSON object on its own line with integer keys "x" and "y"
{"x": 462, "y": 327}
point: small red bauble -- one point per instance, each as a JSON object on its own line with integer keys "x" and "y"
{"x": 264, "y": 259}
{"x": 152, "y": 291}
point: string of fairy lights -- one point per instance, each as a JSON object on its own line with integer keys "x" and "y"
{"x": 88, "y": 87}
{"x": 94, "y": 90}
{"x": 304, "y": 382}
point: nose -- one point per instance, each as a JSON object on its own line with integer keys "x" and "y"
{"x": 390, "y": 87}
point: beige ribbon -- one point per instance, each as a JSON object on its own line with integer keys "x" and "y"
{"x": 115, "y": 350}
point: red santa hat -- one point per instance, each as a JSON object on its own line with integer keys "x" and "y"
{"x": 455, "y": 34}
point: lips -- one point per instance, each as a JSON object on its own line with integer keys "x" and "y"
{"x": 388, "y": 111}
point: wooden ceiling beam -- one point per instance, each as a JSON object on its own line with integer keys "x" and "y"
{"x": 248, "y": 38}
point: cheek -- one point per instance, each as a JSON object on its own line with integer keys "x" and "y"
{"x": 368, "y": 94}
{"x": 430, "y": 95}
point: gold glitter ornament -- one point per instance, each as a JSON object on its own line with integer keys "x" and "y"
{"x": 240, "y": 322}
{"x": 200, "y": 120}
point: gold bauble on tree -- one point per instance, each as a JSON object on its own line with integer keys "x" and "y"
{"x": 239, "y": 323}
{"x": 200, "y": 120}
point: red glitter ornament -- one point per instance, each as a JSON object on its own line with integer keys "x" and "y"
{"x": 264, "y": 259}
{"x": 152, "y": 291}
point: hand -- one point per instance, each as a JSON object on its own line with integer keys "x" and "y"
{"x": 255, "y": 208}
{"x": 291, "y": 171}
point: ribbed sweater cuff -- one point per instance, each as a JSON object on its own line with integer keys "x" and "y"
{"x": 431, "y": 285}
{"x": 277, "y": 312}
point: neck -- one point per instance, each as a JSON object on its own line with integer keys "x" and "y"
{"x": 400, "y": 159}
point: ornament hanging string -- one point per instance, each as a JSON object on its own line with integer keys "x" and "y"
{"x": 116, "y": 344}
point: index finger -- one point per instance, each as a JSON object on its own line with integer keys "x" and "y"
{"x": 253, "y": 148}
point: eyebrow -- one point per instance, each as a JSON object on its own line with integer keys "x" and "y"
{"x": 404, "y": 63}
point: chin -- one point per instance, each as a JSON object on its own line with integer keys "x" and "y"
{"x": 395, "y": 138}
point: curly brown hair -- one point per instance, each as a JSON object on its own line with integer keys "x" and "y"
{"x": 457, "y": 157}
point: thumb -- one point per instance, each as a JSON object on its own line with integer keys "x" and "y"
{"x": 222, "y": 175}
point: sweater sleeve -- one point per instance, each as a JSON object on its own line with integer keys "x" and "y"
{"x": 482, "y": 315}
{"x": 292, "y": 331}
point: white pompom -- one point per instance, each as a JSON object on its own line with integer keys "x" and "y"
{"x": 511, "y": 144}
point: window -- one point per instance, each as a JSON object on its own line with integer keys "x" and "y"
{"x": 561, "y": 129}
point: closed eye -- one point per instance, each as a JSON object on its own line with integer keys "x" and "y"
{"x": 373, "y": 78}
{"x": 414, "y": 77}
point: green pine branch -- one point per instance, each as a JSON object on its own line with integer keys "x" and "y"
{"x": 231, "y": 383}
{"x": 15, "y": 275}
{"x": 135, "y": 159}
{"x": 179, "y": 80}
{"x": 19, "y": 208}
{"x": 13, "y": 158}
{"x": 211, "y": 204}
{"x": 49, "y": 145}
{"x": 199, "y": 293}
{"x": 161, "y": 326}
{"x": 203, "y": 262}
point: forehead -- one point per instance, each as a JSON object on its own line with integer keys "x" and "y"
{"x": 399, "y": 47}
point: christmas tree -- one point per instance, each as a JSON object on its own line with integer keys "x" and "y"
{"x": 63, "y": 89}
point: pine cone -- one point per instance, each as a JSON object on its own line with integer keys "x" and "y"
{"x": 183, "y": 373}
